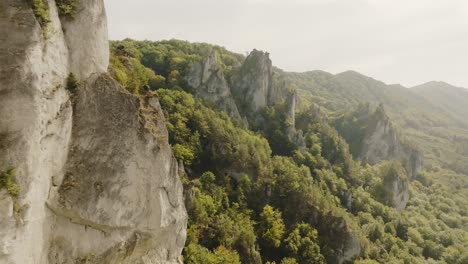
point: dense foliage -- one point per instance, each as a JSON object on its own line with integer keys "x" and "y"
{"x": 171, "y": 60}
{"x": 247, "y": 205}
{"x": 209, "y": 140}
{"x": 7, "y": 182}
{"x": 67, "y": 8}
{"x": 41, "y": 12}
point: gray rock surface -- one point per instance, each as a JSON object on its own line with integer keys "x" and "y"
{"x": 253, "y": 83}
{"x": 207, "y": 79}
{"x": 256, "y": 85}
{"x": 98, "y": 183}
{"x": 395, "y": 185}
{"x": 120, "y": 181}
{"x": 87, "y": 39}
{"x": 383, "y": 142}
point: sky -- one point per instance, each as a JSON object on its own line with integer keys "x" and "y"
{"x": 409, "y": 42}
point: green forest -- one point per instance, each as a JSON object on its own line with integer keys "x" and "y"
{"x": 254, "y": 195}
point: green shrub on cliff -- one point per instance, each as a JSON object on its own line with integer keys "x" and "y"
{"x": 67, "y": 8}
{"x": 41, "y": 12}
{"x": 7, "y": 181}
{"x": 72, "y": 82}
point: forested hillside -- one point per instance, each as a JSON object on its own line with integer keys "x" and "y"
{"x": 432, "y": 116}
{"x": 284, "y": 175}
{"x": 451, "y": 99}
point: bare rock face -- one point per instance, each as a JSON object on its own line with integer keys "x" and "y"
{"x": 87, "y": 39}
{"x": 207, "y": 79}
{"x": 374, "y": 140}
{"x": 98, "y": 183}
{"x": 253, "y": 88}
{"x": 120, "y": 188}
{"x": 295, "y": 135}
{"x": 382, "y": 142}
{"x": 395, "y": 185}
{"x": 35, "y": 126}
{"x": 257, "y": 85}
{"x": 254, "y": 82}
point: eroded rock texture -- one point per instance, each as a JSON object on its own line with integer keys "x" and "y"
{"x": 207, "y": 79}
{"x": 98, "y": 182}
{"x": 383, "y": 142}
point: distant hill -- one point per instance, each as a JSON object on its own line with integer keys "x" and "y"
{"x": 453, "y": 100}
{"x": 433, "y": 115}
{"x": 350, "y": 88}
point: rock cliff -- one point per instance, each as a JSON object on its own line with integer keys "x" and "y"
{"x": 253, "y": 84}
{"x": 207, "y": 79}
{"x": 97, "y": 179}
{"x": 253, "y": 87}
{"x": 373, "y": 138}
{"x": 256, "y": 85}
{"x": 395, "y": 185}
{"x": 383, "y": 142}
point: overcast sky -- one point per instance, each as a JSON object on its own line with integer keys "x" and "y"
{"x": 397, "y": 41}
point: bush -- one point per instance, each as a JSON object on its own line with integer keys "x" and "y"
{"x": 41, "y": 11}
{"x": 302, "y": 243}
{"x": 67, "y": 8}
{"x": 271, "y": 227}
{"x": 196, "y": 254}
{"x": 72, "y": 82}
{"x": 7, "y": 181}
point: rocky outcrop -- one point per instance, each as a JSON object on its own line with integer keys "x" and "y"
{"x": 295, "y": 135}
{"x": 253, "y": 87}
{"x": 120, "y": 181}
{"x": 395, "y": 186}
{"x": 35, "y": 125}
{"x": 383, "y": 142}
{"x": 373, "y": 138}
{"x": 253, "y": 84}
{"x": 207, "y": 79}
{"x": 98, "y": 183}
{"x": 341, "y": 237}
{"x": 256, "y": 85}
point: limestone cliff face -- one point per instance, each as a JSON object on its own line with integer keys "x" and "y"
{"x": 397, "y": 194}
{"x": 98, "y": 182}
{"x": 253, "y": 84}
{"x": 256, "y": 85}
{"x": 394, "y": 191}
{"x": 207, "y": 79}
{"x": 382, "y": 142}
{"x": 373, "y": 139}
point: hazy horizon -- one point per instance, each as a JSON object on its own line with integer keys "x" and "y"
{"x": 396, "y": 42}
